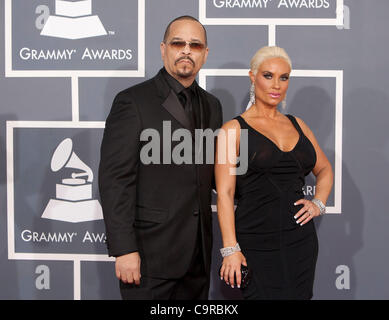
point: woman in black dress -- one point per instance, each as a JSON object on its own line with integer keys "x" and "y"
{"x": 272, "y": 230}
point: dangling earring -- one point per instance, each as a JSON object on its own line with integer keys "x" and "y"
{"x": 283, "y": 104}
{"x": 252, "y": 94}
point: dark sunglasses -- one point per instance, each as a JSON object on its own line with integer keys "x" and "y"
{"x": 180, "y": 44}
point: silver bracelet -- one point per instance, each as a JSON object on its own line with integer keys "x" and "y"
{"x": 320, "y": 205}
{"x": 227, "y": 251}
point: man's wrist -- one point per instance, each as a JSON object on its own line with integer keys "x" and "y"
{"x": 124, "y": 254}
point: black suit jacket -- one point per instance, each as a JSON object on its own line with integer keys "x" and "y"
{"x": 155, "y": 208}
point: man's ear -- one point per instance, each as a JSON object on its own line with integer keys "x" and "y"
{"x": 206, "y": 54}
{"x": 162, "y": 47}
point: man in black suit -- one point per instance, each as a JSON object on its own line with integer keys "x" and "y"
{"x": 157, "y": 215}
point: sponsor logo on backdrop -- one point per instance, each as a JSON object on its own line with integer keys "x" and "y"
{"x": 272, "y": 9}
{"x": 73, "y": 20}
{"x": 307, "y": 4}
{"x": 70, "y": 35}
{"x": 26, "y": 53}
{"x": 73, "y": 201}
{"x": 73, "y": 205}
{"x": 28, "y": 235}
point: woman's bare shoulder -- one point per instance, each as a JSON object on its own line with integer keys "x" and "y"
{"x": 231, "y": 124}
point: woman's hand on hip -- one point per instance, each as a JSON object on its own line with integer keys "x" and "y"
{"x": 307, "y": 212}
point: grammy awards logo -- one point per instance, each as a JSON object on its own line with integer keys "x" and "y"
{"x": 73, "y": 20}
{"x": 73, "y": 201}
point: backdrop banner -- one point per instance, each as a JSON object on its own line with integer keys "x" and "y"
{"x": 63, "y": 63}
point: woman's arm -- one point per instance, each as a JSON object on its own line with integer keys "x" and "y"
{"x": 227, "y": 147}
{"x": 324, "y": 178}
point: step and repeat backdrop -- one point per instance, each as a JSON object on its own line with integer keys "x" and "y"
{"x": 64, "y": 61}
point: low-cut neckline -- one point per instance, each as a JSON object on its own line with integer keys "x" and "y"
{"x": 275, "y": 144}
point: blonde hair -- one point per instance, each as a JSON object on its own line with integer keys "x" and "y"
{"x": 267, "y": 53}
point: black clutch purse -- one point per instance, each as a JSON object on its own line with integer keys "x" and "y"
{"x": 245, "y": 276}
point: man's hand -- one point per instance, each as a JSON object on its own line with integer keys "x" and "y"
{"x": 127, "y": 268}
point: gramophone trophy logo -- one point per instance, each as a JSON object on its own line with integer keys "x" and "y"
{"x": 73, "y": 20}
{"x": 73, "y": 201}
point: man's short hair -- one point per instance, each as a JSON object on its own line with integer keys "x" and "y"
{"x": 166, "y": 35}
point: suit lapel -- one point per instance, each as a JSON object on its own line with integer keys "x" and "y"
{"x": 174, "y": 107}
{"x": 171, "y": 103}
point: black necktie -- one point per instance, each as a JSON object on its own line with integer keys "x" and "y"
{"x": 185, "y": 97}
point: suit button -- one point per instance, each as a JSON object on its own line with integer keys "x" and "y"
{"x": 196, "y": 213}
